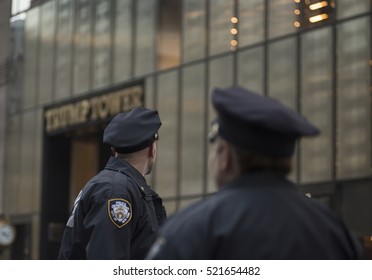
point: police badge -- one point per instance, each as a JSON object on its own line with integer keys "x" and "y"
{"x": 120, "y": 211}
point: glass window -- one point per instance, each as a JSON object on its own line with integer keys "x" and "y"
{"x": 16, "y": 67}
{"x": 83, "y": 46}
{"x": 193, "y": 130}
{"x": 145, "y": 37}
{"x": 194, "y": 18}
{"x": 37, "y": 159}
{"x": 63, "y": 58}
{"x": 220, "y": 14}
{"x": 168, "y": 34}
{"x": 282, "y": 71}
{"x": 123, "y": 61}
{"x": 281, "y": 17}
{"x": 26, "y": 168}
{"x": 149, "y": 92}
{"x": 251, "y": 22}
{"x": 31, "y": 54}
{"x": 13, "y": 162}
{"x": 282, "y": 77}
{"x": 316, "y": 104}
{"x": 167, "y": 159}
{"x": 102, "y": 44}
{"x": 170, "y": 207}
{"x": 220, "y": 75}
{"x": 47, "y": 46}
{"x": 354, "y": 99}
{"x": 251, "y": 69}
{"x": 188, "y": 201}
{"x": 20, "y": 6}
{"x": 347, "y": 8}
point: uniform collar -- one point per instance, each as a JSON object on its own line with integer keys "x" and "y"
{"x": 262, "y": 179}
{"x": 125, "y": 167}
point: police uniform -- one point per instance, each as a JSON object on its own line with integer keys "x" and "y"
{"x": 259, "y": 215}
{"x": 116, "y": 215}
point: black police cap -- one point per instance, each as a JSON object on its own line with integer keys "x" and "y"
{"x": 132, "y": 131}
{"x": 257, "y": 123}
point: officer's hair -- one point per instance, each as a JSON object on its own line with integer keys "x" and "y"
{"x": 254, "y": 162}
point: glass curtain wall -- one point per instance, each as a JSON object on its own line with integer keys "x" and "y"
{"x": 72, "y": 47}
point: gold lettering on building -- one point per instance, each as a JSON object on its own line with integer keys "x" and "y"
{"x": 93, "y": 109}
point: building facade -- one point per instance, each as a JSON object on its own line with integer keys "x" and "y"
{"x": 74, "y": 63}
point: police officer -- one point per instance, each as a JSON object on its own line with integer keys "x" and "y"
{"x": 116, "y": 215}
{"x": 257, "y": 213}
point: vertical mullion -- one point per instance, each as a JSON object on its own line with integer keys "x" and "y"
{"x": 266, "y": 38}
{"x": 206, "y": 99}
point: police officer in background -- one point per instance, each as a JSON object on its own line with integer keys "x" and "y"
{"x": 116, "y": 215}
{"x": 257, "y": 213}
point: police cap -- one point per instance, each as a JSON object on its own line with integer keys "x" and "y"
{"x": 132, "y": 131}
{"x": 257, "y": 123}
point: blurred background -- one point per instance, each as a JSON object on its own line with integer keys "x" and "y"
{"x": 68, "y": 66}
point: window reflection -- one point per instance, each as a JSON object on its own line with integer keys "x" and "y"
{"x": 281, "y": 17}
{"x": 145, "y": 37}
{"x": 167, "y": 160}
{"x": 123, "y": 61}
{"x": 47, "y": 48}
{"x": 347, "y": 8}
{"x": 251, "y": 22}
{"x": 102, "y": 44}
{"x": 220, "y": 14}
{"x": 64, "y": 50}
{"x": 282, "y": 78}
{"x": 316, "y": 105}
{"x": 193, "y": 135}
{"x": 251, "y": 69}
{"x": 220, "y": 75}
{"x": 168, "y": 34}
{"x": 82, "y": 48}
{"x": 354, "y": 101}
{"x": 193, "y": 29}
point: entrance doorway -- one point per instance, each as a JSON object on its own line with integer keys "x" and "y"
{"x": 70, "y": 160}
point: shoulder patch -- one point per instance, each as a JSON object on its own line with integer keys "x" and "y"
{"x": 119, "y": 211}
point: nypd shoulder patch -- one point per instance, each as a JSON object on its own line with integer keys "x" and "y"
{"x": 120, "y": 211}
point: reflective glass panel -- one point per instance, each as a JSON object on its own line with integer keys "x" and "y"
{"x": 193, "y": 29}
{"x": 281, "y": 17}
{"x": 193, "y": 130}
{"x": 102, "y": 44}
{"x": 354, "y": 99}
{"x": 168, "y": 43}
{"x": 13, "y": 161}
{"x": 47, "y": 48}
{"x": 31, "y": 54}
{"x": 316, "y": 104}
{"x": 64, "y": 51}
{"x": 83, "y": 47}
{"x": 26, "y": 168}
{"x": 220, "y": 75}
{"x": 347, "y": 8}
{"x": 145, "y": 37}
{"x": 251, "y": 69}
{"x": 167, "y": 160}
{"x": 251, "y": 22}
{"x": 282, "y": 75}
{"x": 220, "y": 14}
{"x": 123, "y": 41}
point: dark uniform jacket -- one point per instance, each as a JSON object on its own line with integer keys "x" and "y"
{"x": 115, "y": 216}
{"x": 259, "y": 216}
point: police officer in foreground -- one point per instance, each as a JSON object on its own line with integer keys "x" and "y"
{"x": 257, "y": 213}
{"x": 116, "y": 215}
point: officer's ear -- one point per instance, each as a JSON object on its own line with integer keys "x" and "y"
{"x": 113, "y": 150}
{"x": 225, "y": 156}
{"x": 152, "y": 150}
